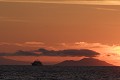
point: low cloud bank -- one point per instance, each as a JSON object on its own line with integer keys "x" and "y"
{"x": 63, "y": 53}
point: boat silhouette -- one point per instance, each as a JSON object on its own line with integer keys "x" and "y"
{"x": 37, "y": 63}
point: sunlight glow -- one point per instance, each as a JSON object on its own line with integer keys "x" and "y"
{"x": 116, "y": 50}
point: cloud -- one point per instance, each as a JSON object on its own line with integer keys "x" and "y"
{"x": 103, "y": 49}
{"x": 19, "y": 53}
{"x": 62, "y": 53}
{"x": 79, "y": 45}
{"x": 107, "y": 9}
{"x": 25, "y": 44}
{"x": 24, "y": 53}
{"x": 11, "y": 19}
{"x": 4, "y": 43}
{"x": 31, "y": 44}
{"x": 58, "y": 49}
{"x": 88, "y": 2}
{"x": 12, "y": 47}
{"x": 34, "y": 43}
{"x": 69, "y": 52}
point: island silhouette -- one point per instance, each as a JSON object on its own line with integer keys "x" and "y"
{"x": 84, "y": 62}
{"x": 5, "y": 61}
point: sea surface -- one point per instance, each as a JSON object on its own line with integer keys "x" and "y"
{"x": 58, "y": 73}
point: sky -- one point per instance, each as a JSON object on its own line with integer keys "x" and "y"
{"x": 60, "y": 25}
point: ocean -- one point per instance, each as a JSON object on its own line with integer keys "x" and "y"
{"x": 58, "y": 73}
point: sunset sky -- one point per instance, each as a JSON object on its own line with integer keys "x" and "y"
{"x": 60, "y": 24}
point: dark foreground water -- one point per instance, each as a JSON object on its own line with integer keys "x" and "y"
{"x": 58, "y": 73}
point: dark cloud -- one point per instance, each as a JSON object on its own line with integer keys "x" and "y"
{"x": 44, "y": 52}
{"x": 24, "y": 53}
{"x": 71, "y": 52}
{"x": 5, "y": 54}
{"x": 19, "y": 53}
{"x": 82, "y": 52}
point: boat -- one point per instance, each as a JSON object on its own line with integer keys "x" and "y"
{"x": 36, "y": 63}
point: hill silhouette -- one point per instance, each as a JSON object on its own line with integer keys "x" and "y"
{"x": 5, "y": 61}
{"x": 84, "y": 62}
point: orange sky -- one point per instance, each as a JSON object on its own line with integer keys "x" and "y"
{"x": 32, "y": 25}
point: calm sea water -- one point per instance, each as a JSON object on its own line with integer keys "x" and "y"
{"x": 58, "y": 73}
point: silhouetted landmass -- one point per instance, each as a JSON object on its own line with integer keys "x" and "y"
{"x": 5, "y": 61}
{"x": 84, "y": 62}
{"x": 37, "y": 63}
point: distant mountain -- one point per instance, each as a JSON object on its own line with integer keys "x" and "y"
{"x": 5, "y": 61}
{"x": 84, "y": 62}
